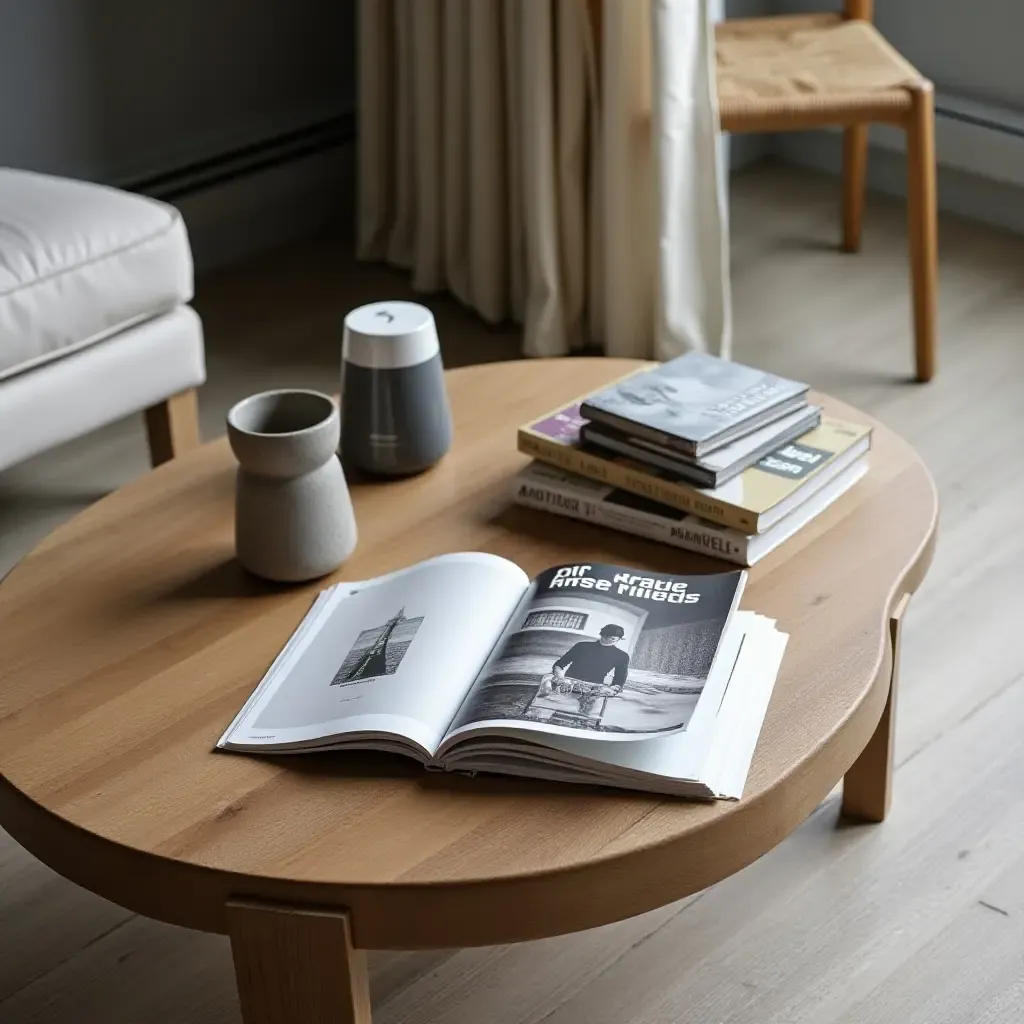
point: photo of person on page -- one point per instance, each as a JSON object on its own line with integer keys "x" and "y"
{"x": 596, "y": 649}
{"x": 584, "y": 669}
{"x": 591, "y": 661}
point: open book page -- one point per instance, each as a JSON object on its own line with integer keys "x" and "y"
{"x": 744, "y": 709}
{"x": 386, "y": 658}
{"x": 603, "y": 652}
{"x": 717, "y": 753}
{"x": 699, "y": 762}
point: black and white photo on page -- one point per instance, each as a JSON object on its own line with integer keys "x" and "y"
{"x": 599, "y": 649}
{"x": 379, "y": 650}
{"x": 389, "y": 656}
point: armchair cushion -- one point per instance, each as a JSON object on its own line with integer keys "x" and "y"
{"x": 80, "y": 262}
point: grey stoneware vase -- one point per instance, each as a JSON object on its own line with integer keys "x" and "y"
{"x": 293, "y": 512}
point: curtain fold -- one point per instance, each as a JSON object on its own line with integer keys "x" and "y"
{"x": 454, "y": 131}
{"x": 552, "y": 161}
{"x": 544, "y": 317}
{"x": 428, "y": 170}
{"x": 693, "y": 297}
{"x": 488, "y": 161}
{"x": 627, "y": 200}
{"x": 512, "y": 45}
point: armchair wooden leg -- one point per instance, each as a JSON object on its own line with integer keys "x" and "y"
{"x": 855, "y": 162}
{"x": 296, "y": 964}
{"x": 922, "y": 226}
{"x": 172, "y": 427}
{"x": 867, "y": 786}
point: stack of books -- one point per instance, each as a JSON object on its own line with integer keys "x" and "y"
{"x": 698, "y": 452}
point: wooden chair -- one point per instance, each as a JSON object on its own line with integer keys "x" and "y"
{"x": 810, "y": 71}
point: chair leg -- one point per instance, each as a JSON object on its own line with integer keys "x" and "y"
{"x": 922, "y": 225}
{"x": 172, "y": 427}
{"x": 855, "y": 162}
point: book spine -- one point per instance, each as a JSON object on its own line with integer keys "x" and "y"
{"x": 615, "y": 474}
{"x": 690, "y": 535}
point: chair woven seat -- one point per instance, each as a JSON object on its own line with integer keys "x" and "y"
{"x": 775, "y": 73}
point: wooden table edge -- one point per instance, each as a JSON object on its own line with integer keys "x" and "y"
{"x": 518, "y": 907}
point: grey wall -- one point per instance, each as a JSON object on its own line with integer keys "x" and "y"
{"x": 969, "y": 48}
{"x": 119, "y": 90}
{"x": 115, "y": 90}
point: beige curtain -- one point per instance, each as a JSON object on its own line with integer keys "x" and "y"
{"x": 552, "y": 161}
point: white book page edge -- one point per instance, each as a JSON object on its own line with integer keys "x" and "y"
{"x": 745, "y": 706}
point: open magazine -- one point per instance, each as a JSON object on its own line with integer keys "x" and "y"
{"x": 588, "y": 673}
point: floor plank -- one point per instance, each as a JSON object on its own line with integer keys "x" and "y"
{"x": 988, "y": 934}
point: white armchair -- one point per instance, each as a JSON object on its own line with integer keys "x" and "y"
{"x": 94, "y": 321}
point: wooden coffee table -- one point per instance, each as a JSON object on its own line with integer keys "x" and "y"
{"x": 129, "y": 638}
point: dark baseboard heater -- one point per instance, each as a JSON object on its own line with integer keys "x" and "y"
{"x": 249, "y": 159}
{"x": 980, "y": 115}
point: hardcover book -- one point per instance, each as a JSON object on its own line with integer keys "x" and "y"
{"x": 695, "y": 403}
{"x": 715, "y": 468}
{"x": 751, "y": 502}
{"x": 587, "y": 673}
{"x": 575, "y": 497}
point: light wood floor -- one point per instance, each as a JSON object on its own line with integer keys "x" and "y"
{"x": 918, "y": 920}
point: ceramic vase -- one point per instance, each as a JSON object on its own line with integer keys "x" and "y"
{"x": 293, "y": 512}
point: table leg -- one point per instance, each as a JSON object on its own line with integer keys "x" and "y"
{"x": 297, "y": 965}
{"x": 867, "y": 786}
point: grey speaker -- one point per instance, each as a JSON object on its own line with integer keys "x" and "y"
{"x": 395, "y": 417}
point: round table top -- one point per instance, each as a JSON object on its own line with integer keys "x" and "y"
{"x": 130, "y": 638}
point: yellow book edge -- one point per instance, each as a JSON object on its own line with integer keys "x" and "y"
{"x": 637, "y": 479}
